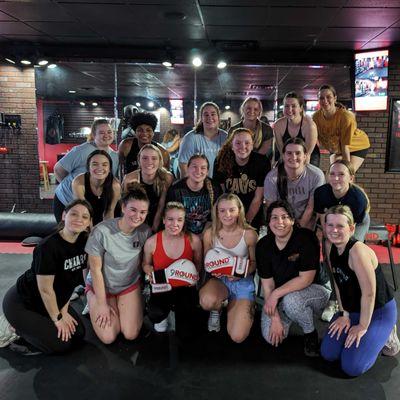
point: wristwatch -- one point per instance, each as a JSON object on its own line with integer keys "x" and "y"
{"x": 343, "y": 314}
{"x": 58, "y": 318}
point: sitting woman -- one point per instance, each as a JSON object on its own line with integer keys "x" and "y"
{"x": 294, "y": 180}
{"x": 366, "y": 322}
{"x": 230, "y": 233}
{"x": 341, "y": 189}
{"x": 113, "y": 283}
{"x": 155, "y": 180}
{"x": 242, "y": 171}
{"x": 160, "y": 251}
{"x": 37, "y": 307}
{"x": 288, "y": 265}
{"x": 197, "y": 192}
{"x": 295, "y": 123}
{"x": 98, "y": 186}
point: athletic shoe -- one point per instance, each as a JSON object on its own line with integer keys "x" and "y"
{"x": 330, "y": 310}
{"x": 311, "y": 345}
{"x": 161, "y": 326}
{"x": 7, "y": 332}
{"x": 214, "y": 324}
{"x": 85, "y": 311}
{"x": 392, "y": 346}
{"x": 78, "y": 291}
{"x": 24, "y": 349}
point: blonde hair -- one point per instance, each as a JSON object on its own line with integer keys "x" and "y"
{"x": 160, "y": 180}
{"x": 226, "y": 156}
{"x": 216, "y": 224}
{"x": 95, "y": 125}
{"x": 352, "y": 173}
{"x": 257, "y": 136}
{"x": 341, "y": 210}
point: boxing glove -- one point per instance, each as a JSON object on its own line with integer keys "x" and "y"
{"x": 180, "y": 273}
{"x": 219, "y": 262}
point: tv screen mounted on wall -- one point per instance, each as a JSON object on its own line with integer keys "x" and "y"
{"x": 371, "y": 80}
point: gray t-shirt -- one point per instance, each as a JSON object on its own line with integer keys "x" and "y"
{"x": 121, "y": 254}
{"x": 299, "y": 191}
{"x": 196, "y": 143}
{"x": 74, "y": 162}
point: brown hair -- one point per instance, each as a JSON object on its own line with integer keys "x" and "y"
{"x": 258, "y": 136}
{"x": 95, "y": 125}
{"x": 199, "y": 126}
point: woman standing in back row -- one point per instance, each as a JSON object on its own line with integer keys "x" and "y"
{"x": 337, "y": 130}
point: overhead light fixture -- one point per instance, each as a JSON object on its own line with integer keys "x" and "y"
{"x": 221, "y": 64}
{"x": 94, "y": 104}
{"x": 10, "y": 61}
{"x": 43, "y": 62}
{"x": 150, "y": 104}
{"x": 138, "y": 104}
{"x": 82, "y": 103}
{"x": 51, "y": 66}
{"x": 26, "y": 62}
{"x": 167, "y": 64}
{"x": 71, "y": 91}
{"x": 197, "y": 61}
{"x": 227, "y": 107}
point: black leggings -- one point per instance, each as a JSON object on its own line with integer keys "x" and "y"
{"x": 58, "y": 208}
{"x": 38, "y": 329}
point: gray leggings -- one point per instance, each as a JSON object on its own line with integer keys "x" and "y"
{"x": 299, "y": 307}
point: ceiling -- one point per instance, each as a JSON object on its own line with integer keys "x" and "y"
{"x": 264, "y": 43}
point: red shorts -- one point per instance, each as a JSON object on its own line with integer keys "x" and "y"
{"x": 129, "y": 289}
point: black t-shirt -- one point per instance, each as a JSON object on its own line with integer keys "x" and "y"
{"x": 197, "y": 204}
{"x": 244, "y": 181}
{"x": 301, "y": 253}
{"x": 54, "y": 256}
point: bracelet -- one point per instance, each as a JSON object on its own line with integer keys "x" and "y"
{"x": 344, "y": 314}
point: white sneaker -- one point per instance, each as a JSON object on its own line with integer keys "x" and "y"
{"x": 329, "y": 311}
{"x": 392, "y": 346}
{"x": 85, "y": 311}
{"x": 7, "y": 333}
{"x": 214, "y": 324}
{"x": 161, "y": 326}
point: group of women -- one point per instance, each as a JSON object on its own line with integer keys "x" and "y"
{"x": 217, "y": 205}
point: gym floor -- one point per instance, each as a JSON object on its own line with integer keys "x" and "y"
{"x": 162, "y": 366}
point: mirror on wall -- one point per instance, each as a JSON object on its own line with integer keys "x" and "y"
{"x": 73, "y": 94}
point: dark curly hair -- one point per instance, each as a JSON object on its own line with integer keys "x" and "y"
{"x": 143, "y": 118}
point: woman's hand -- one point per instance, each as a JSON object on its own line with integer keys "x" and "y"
{"x": 103, "y": 318}
{"x": 338, "y": 326}
{"x": 70, "y": 321}
{"x": 270, "y": 304}
{"x": 355, "y": 334}
{"x": 276, "y": 332}
{"x": 148, "y": 270}
{"x": 64, "y": 331}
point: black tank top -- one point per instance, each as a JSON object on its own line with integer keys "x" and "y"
{"x": 131, "y": 160}
{"x": 97, "y": 202}
{"x": 347, "y": 282}
{"x": 153, "y": 198}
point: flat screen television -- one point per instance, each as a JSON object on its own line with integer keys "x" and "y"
{"x": 371, "y": 80}
{"x": 176, "y": 111}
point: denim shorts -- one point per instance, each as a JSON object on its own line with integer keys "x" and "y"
{"x": 242, "y": 289}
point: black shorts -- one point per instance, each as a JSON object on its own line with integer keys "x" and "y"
{"x": 359, "y": 153}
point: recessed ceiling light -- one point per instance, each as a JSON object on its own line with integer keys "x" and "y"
{"x": 94, "y": 104}
{"x": 43, "y": 62}
{"x": 138, "y": 104}
{"x": 150, "y": 104}
{"x": 71, "y": 91}
{"x": 26, "y": 62}
{"x": 82, "y": 103}
{"x": 10, "y": 61}
{"x": 227, "y": 107}
{"x": 51, "y": 66}
{"x": 197, "y": 61}
{"x": 167, "y": 64}
{"x": 221, "y": 64}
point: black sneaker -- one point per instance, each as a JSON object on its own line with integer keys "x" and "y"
{"x": 24, "y": 348}
{"x": 311, "y": 344}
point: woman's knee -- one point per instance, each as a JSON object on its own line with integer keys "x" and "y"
{"x": 131, "y": 332}
{"x": 107, "y": 336}
{"x": 354, "y": 367}
{"x": 238, "y": 335}
{"x": 209, "y": 302}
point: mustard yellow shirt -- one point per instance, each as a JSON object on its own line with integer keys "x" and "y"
{"x": 340, "y": 130}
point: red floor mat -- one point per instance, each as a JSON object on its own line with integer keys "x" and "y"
{"x": 14, "y": 248}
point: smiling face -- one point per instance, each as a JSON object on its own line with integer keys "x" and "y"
{"x": 135, "y": 213}
{"x": 327, "y": 100}
{"x": 104, "y": 135}
{"x": 228, "y": 212}
{"x": 99, "y": 166}
{"x": 280, "y": 223}
{"x": 339, "y": 178}
{"x": 144, "y": 134}
{"x": 197, "y": 170}
{"x": 251, "y": 110}
{"x": 174, "y": 220}
{"x": 291, "y": 108}
{"x": 149, "y": 161}
{"x": 294, "y": 156}
{"x": 77, "y": 219}
{"x": 210, "y": 118}
{"x": 242, "y": 146}
{"x": 338, "y": 230}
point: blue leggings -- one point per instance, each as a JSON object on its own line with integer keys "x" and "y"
{"x": 356, "y": 361}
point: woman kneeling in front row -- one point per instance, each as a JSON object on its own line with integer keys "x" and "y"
{"x": 288, "y": 265}
{"x": 366, "y": 323}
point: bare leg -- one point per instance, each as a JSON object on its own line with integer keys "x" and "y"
{"x": 212, "y": 295}
{"x": 240, "y": 319}
{"x": 130, "y": 308}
